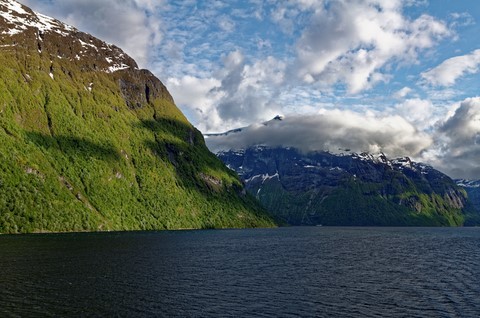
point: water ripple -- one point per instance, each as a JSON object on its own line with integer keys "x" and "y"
{"x": 286, "y": 272}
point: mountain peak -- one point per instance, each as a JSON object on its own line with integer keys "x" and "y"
{"x": 19, "y": 18}
{"x": 19, "y": 24}
{"x": 279, "y": 117}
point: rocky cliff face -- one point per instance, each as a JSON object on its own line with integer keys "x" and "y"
{"x": 65, "y": 47}
{"x": 347, "y": 189}
{"x": 90, "y": 142}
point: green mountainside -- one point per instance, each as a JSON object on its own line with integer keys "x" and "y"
{"x": 89, "y": 142}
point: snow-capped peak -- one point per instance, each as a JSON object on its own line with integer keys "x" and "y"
{"x": 16, "y": 19}
{"x": 19, "y": 18}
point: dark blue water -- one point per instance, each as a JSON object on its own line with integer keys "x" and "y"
{"x": 286, "y": 272}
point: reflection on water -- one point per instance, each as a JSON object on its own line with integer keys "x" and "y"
{"x": 286, "y": 272}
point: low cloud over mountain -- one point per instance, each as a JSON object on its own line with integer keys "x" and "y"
{"x": 333, "y": 130}
{"x": 452, "y": 145}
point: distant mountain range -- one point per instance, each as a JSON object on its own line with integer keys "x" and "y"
{"x": 472, "y": 187}
{"x": 347, "y": 188}
{"x": 90, "y": 142}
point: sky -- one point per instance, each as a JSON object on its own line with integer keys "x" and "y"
{"x": 400, "y": 77}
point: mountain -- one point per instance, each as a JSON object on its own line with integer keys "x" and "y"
{"x": 89, "y": 142}
{"x": 472, "y": 187}
{"x": 348, "y": 189}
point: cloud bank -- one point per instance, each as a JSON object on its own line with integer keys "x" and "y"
{"x": 458, "y": 141}
{"x": 452, "y": 145}
{"x": 334, "y": 131}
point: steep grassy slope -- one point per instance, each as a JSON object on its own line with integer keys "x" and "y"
{"x": 89, "y": 142}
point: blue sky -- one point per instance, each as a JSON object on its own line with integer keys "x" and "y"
{"x": 409, "y": 66}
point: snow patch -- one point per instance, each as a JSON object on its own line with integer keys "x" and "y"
{"x": 117, "y": 67}
{"x": 14, "y": 6}
{"x": 264, "y": 177}
{"x": 336, "y": 169}
{"x": 468, "y": 183}
{"x": 21, "y": 20}
{"x": 85, "y": 44}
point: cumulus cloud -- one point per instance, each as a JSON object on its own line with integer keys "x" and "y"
{"x": 352, "y": 42}
{"x": 247, "y": 91}
{"x": 332, "y": 130}
{"x": 458, "y": 141}
{"x": 237, "y": 95}
{"x": 199, "y": 99}
{"x": 447, "y": 73}
{"x": 419, "y": 112}
{"x": 346, "y": 42}
{"x": 129, "y": 24}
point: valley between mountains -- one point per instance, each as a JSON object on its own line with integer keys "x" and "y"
{"x": 90, "y": 142}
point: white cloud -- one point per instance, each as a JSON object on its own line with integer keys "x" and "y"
{"x": 402, "y": 93}
{"x": 419, "y": 112}
{"x": 352, "y": 42}
{"x": 332, "y": 130}
{"x": 197, "y": 96}
{"x": 236, "y": 96}
{"x": 248, "y": 91}
{"x": 226, "y": 24}
{"x": 447, "y": 73}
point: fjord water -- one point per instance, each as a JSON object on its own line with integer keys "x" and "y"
{"x": 285, "y": 272}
